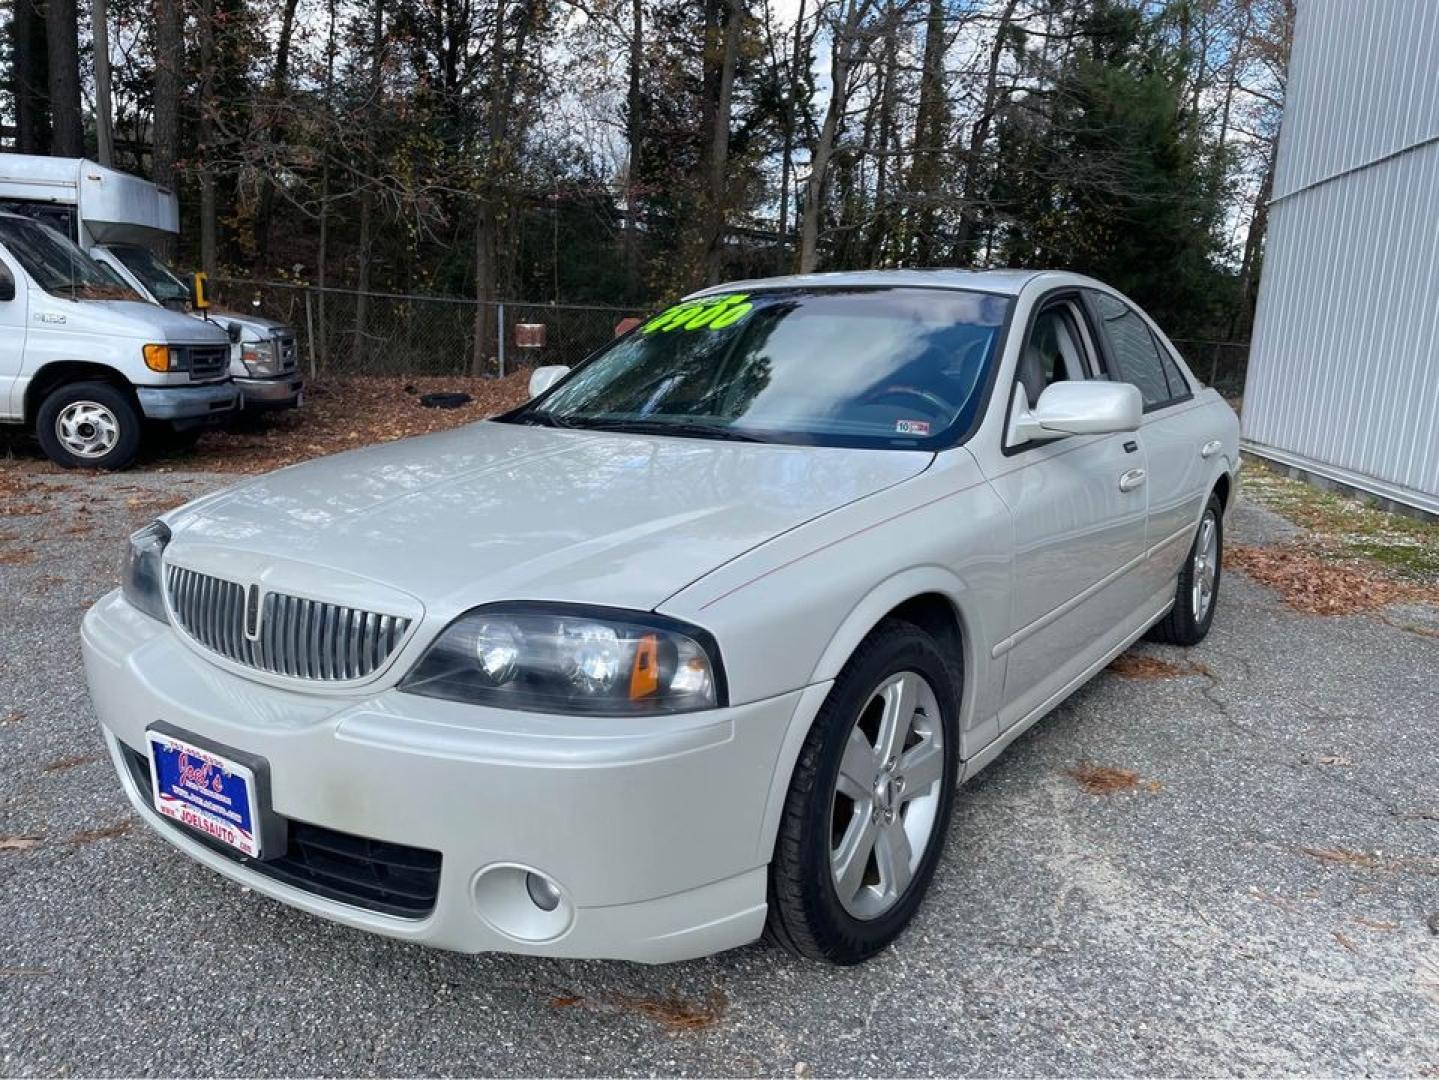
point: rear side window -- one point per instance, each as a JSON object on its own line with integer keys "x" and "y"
{"x": 1136, "y": 356}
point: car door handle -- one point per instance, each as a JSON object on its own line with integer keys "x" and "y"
{"x": 1211, "y": 448}
{"x": 1131, "y": 480}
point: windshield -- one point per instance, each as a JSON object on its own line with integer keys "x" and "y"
{"x": 901, "y": 367}
{"x": 162, "y": 282}
{"x": 57, "y": 265}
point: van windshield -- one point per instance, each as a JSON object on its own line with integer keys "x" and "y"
{"x": 862, "y": 367}
{"x": 57, "y": 265}
{"x": 163, "y": 283}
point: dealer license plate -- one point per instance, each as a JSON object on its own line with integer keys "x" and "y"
{"x": 205, "y": 791}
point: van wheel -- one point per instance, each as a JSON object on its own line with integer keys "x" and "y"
{"x": 89, "y": 425}
{"x": 868, "y": 806}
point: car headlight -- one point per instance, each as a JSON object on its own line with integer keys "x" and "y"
{"x": 141, "y": 579}
{"x": 260, "y": 357}
{"x": 554, "y": 658}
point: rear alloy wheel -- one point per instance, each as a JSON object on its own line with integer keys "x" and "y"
{"x": 89, "y": 425}
{"x": 868, "y": 806}
{"x": 1197, "y": 590}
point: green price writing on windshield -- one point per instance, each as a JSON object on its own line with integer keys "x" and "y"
{"x": 708, "y": 313}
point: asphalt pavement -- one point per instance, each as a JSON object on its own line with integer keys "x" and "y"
{"x": 1264, "y": 898}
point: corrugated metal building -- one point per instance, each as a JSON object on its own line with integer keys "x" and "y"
{"x": 1343, "y": 379}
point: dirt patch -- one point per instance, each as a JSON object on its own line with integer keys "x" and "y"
{"x": 1343, "y": 856}
{"x": 1106, "y": 779}
{"x": 64, "y": 764}
{"x": 1317, "y": 585}
{"x": 1132, "y": 665}
{"x": 23, "y": 557}
{"x": 670, "y": 1011}
{"x": 107, "y": 832}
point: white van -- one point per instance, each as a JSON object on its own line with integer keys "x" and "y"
{"x": 124, "y": 223}
{"x": 89, "y": 363}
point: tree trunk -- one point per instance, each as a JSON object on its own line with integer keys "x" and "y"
{"x": 634, "y": 134}
{"x": 883, "y": 138}
{"x": 790, "y": 118}
{"x": 719, "y": 147}
{"x": 979, "y": 134}
{"x": 31, "y": 79}
{"x": 491, "y": 215}
{"x": 322, "y": 255}
{"x": 205, "y": 133}
{"x": 104, "y": 114}
{"x": 1253, "y": 248}
{"x": 169, "y": 56}
{"x": 367, "y": 190}
{"x": 265, "y": 208}
{"x": 62, "y": 33}
{"x": 816, "y": 185}
{"x": 929, "y": 131}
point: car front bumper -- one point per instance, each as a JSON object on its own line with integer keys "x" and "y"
{"x": 276, "y": 392}
{"x": 188, "y": 403}
{"x": 658, "y": 837}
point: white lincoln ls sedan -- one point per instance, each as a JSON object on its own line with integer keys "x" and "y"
{"x": 694, "y": 647}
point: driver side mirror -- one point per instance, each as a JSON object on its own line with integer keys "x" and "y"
{"x": 7, "y": 285}
{"x": 542, "y": 378}
{"x": 1076, "y": 408}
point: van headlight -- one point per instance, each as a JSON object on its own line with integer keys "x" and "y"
{"x": 261, "y": 357}
{"x": 141, "y": 576}
{"x": 541, "y": 657}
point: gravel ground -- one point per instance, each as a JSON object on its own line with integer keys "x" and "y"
{"x": 1266, "y": 899}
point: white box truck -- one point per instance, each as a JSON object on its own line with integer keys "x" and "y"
{"x": 124, "y": 222}
{"x": 90, "y": 364}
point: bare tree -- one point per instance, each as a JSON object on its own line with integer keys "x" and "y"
{"x": 62, "y": 33}
{"x": 30, "y": 78}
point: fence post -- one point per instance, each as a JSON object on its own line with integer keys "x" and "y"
{"x": 310, "y": 330}
{"x": 1214, "y": 365}
{"x": 501, "y": 321}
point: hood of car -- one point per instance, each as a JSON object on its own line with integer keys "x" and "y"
{"x": 497, "y": 511}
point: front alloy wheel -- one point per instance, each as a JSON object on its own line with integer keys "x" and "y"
{"x": 887, "y": 795}
{"x": 868, "y": 806}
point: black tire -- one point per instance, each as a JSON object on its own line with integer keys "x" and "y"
{"x": 1184, "y": 625}
{"x": 806, "y": 915}
{"x": 114, "y": 403}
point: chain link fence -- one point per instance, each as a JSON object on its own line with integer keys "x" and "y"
{"x": 1220, "y": 364}
{"x": 346, "y": 332}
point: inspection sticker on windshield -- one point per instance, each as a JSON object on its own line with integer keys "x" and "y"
{"x": 911, "y": 427}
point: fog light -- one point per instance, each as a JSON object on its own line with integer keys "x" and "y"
{"x": 542, "y": 891}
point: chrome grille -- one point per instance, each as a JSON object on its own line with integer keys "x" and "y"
{"x": 301, "y": 638}
{"x": 207, "y": 361}
{"x": 286, "y": 353}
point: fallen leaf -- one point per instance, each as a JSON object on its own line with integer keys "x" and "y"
{"x": 18, "y": 843}
{"x": 1132, "y": 665}
{"x": 1316, "y": 585}
{"x": 1105, "y": 779}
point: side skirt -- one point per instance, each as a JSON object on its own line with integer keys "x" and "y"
{"x": 973, "y": 765}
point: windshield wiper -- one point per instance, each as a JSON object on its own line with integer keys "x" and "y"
{"x": 664, "y": 427}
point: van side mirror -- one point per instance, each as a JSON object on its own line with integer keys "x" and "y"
{"x": 1091, "y": 407}
{"x": 7, "y": 285}
{"x": 542, "y": 378}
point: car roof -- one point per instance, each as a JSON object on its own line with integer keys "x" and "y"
{"x": 1000, "y": 282}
